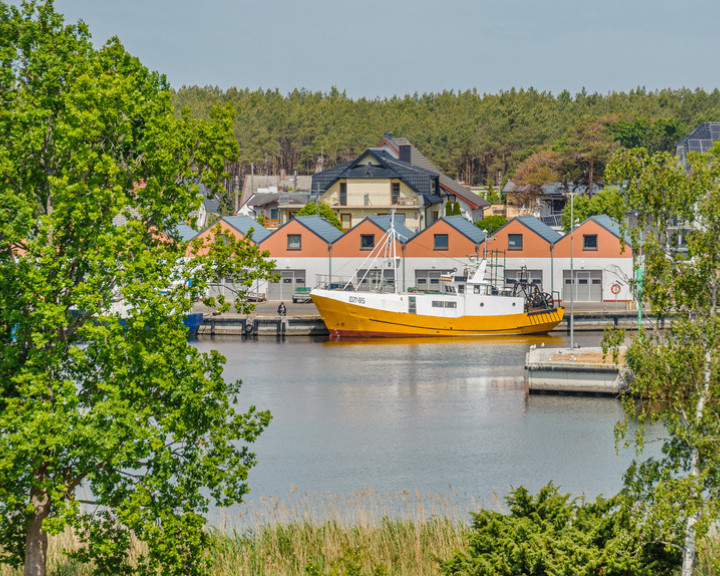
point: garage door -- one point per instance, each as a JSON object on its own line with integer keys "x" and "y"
{"x": 283, "y": 289}
{"x": 588, "y": 285}
{"x": 531, "y": 276}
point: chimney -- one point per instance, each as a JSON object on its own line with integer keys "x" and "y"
{"x": 405, "y": 153}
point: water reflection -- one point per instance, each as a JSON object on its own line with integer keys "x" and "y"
{"x": 423, "y": 414}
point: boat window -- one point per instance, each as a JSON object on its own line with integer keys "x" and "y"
{"x": 450, "y": 289}
{"x": 461, "y": 288}
{"x": 480, "y": 289}
{"x": 443, "y": 304}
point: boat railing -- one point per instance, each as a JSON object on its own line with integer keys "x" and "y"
{"x": 328, "y": 282}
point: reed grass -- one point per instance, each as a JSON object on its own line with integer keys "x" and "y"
{"x": 365, "y": 534}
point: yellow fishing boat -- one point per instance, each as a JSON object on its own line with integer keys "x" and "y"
{"x": 465, "y": 306}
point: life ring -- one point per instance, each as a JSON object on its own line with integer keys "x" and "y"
{"x": 615, "y": 289}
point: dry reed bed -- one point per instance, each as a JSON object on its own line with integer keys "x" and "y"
{"x": 307, "y": 534}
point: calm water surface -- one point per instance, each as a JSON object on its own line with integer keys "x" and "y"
{"x": 448, "y": 417}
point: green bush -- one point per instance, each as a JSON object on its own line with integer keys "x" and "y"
{"x": 552, "y": 534}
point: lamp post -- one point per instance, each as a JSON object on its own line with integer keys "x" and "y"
{"x": 572, "y": 275}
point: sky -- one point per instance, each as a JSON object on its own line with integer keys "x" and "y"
{"x": 384, "y": 48}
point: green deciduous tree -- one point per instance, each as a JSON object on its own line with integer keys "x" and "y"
{"x": 676, "y": 370}
{"x": 553, "y": 534}
{"x": 492, "y": 223}
{"x": 608, "y": 202}
{"x": 320, "y": 209}
{"x": 110, "y": 421}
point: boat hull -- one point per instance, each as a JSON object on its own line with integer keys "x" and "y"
{"x": 344, "y": 319}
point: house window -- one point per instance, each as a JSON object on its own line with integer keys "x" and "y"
{"x": 343, "y": 194}
{"x": 441, "y": 242}
{"x": 435, "y": 215}
{"x": 294, "y": 242}
{"x": 515, "y": 241}
{"x": 367, "y": 241}
{"x": 590, "y": 242}
{"x": 346, "y": 221}
{"x": 395, "y": 193}
{"x": 274, "y": 214}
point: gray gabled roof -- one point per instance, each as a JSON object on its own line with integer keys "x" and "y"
{"x": 186, "y": 232}
{"x": 385, "y": 167}
{"x": 209, "y": 201}
{"x": 320, "y": 227}
{"x": 540, "y": 228}
{"x": 403, "y": 234}
{"x": 466, "y": 228}
{"x": 244, "y": 224}
{"x": 610, "y": 225}
{"x": 416, "y": 158}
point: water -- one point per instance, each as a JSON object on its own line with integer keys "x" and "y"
{"x": 420, "y": 416}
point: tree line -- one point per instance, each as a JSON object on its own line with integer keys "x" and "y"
{"x": 479, "y": 139}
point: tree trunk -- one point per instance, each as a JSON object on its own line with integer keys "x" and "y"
{"x": 36, "y": 541}
{"x": 688, "y": 556}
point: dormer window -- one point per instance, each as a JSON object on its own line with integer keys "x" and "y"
{"x": 515, "y": 241}
{"x": 367, "y": 241}
{"x": 590, "y": 242}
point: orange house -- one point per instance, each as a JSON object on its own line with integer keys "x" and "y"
{"x": 301, "y": 250}
{"x": 523, "y": 248}
{"x": 237, "y": 226}
{"x": 447, "y": 246}
{"x": 601, "y": 264}
{"x": 364, "y": 255}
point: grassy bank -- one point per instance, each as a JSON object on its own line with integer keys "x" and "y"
{"x": 310, "y": 549}
{"x": 365, "y": 534}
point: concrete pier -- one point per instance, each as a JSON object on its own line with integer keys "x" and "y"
{"x": 312, "y": 325}
{"x": 256, "y": 325}
{"x": 578, "y": 371}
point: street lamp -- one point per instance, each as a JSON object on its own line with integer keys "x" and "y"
{"x": 572, "y": 275}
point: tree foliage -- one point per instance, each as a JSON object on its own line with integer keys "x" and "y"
{"x": 110, "y": 421}
{"x": 676, "y": 370}
{"x": 609, "y": 202}
{"x": 491, "y": 223}
{"x": 473, "y": 137}
{"x": 553, "y": 534}
{"x": 321, "y": 209}
{"x": 532, "y": 174}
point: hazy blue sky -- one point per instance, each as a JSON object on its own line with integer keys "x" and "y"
{"x": 381, "y": 48}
